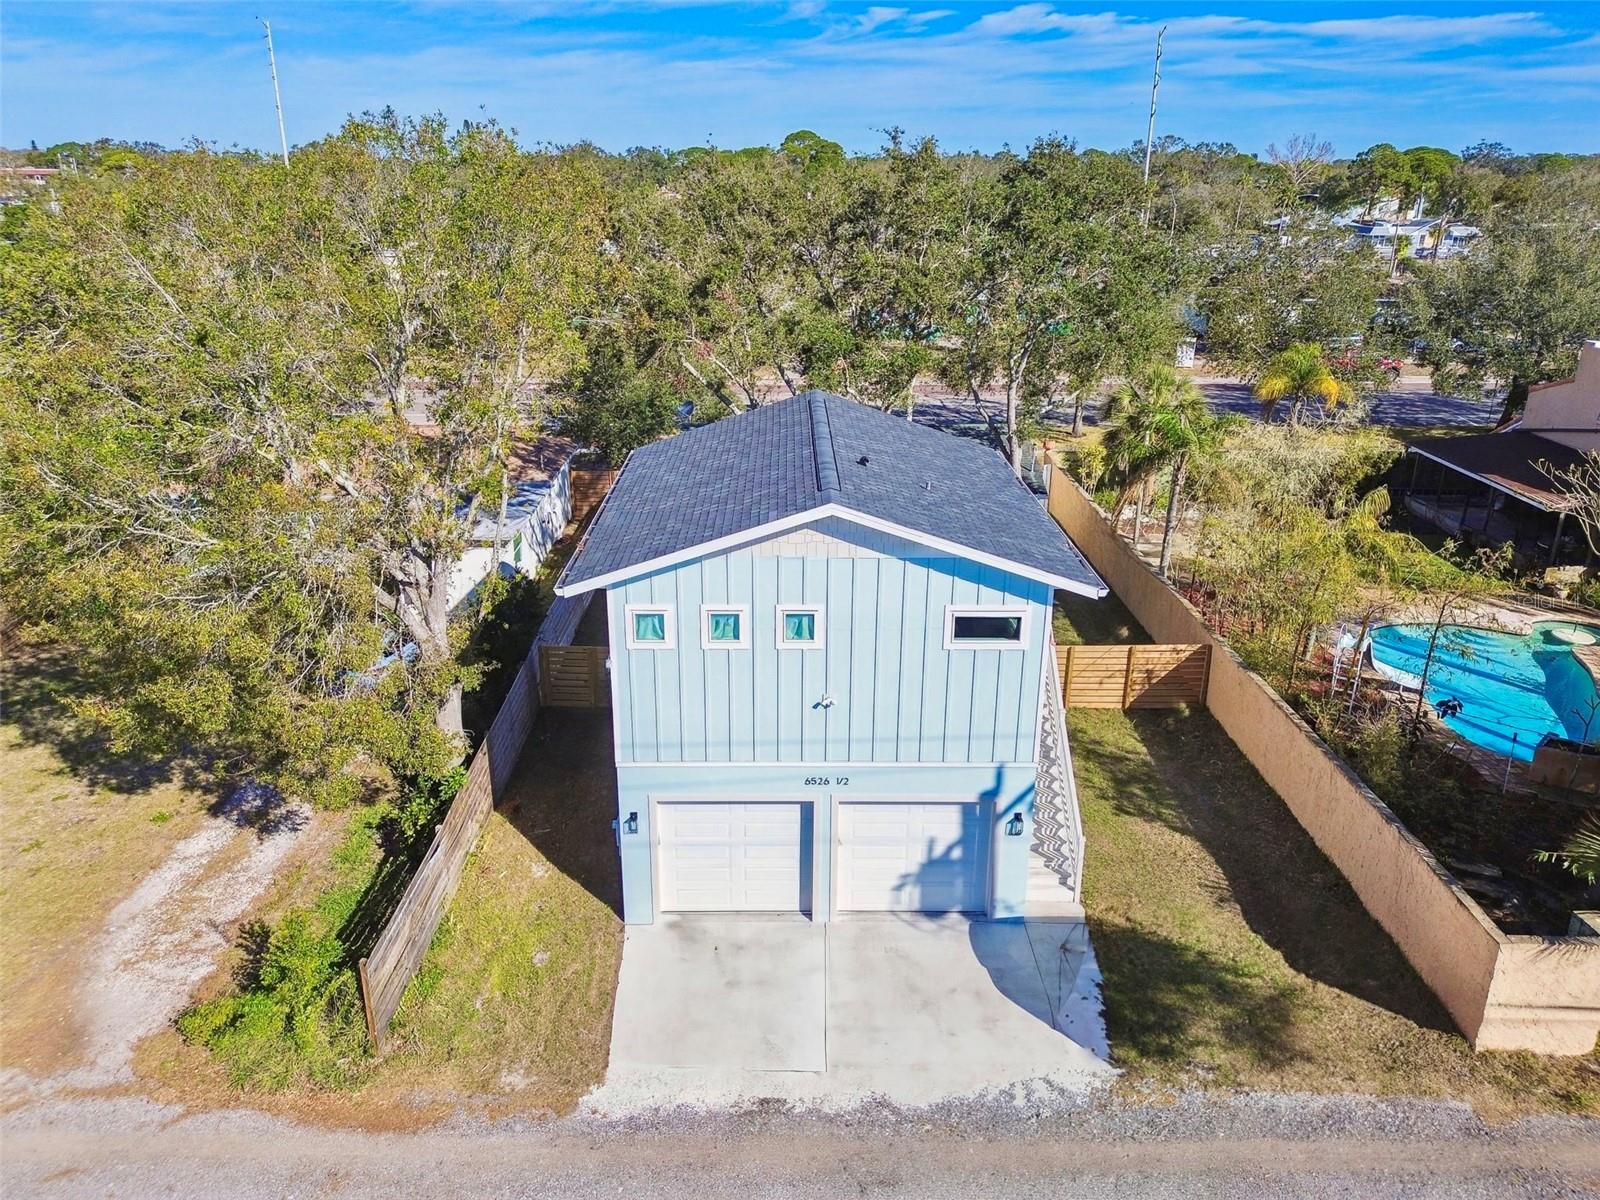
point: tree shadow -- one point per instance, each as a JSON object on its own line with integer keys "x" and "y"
{"x": 37, "y": 683}
{"x": 563, "y": 799}
{"x": 259, "y": 807}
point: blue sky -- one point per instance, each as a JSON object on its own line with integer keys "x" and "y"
{"x": 682, "y": 72}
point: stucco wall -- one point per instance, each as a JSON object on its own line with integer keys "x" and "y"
{"x": 1568, "y": 410}
{"x": 1504, "y": 992}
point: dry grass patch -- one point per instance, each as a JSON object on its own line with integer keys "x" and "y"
{"x": 78, "y": 831}
{"x": 1234, "y": 953}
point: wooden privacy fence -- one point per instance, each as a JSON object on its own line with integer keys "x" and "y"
{"x": 1133, "y": 676}
{"x": 589, "y": 487}
{"x": 574, "y": 677}
{"x": 400, "y": 947}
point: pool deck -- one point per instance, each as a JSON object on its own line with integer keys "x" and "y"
{"x": 1504, "y": 613}
{"x": 1589, "y": 657}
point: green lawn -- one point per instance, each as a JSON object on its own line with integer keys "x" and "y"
{"x": 1234, "y": 954}
{"x": 513, "y": 1002}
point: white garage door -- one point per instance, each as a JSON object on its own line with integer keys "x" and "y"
{"x": 913, "y": 858}
{"x": 731, "y": 857}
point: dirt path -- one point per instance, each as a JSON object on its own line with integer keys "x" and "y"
{"x": 164, "y": 938}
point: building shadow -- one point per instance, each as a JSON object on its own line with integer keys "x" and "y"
{"x": 1187, "y": 997}
{"x": 563, "y": 799}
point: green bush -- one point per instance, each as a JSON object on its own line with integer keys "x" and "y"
{"x": 296, "y": 1017}
{"x": 416, "y": 816}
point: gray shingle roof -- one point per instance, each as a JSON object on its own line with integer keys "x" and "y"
{"x": 808, "y": 451}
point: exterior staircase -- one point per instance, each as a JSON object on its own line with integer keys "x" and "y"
{"x": 1055, "y": 861}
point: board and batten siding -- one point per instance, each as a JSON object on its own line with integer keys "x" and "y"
{"x": 899, "y": 695}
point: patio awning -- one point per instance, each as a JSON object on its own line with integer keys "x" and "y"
{"x": 1510, "y": 462}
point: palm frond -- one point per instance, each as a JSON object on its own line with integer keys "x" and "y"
{"x": 1581, "y": 854}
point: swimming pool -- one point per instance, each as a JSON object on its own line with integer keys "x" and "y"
{"x": 1514, "y": 688}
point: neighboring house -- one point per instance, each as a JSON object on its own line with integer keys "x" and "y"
{"x": 538, "y": 509}
{"x": 833, "y": 679}
{"x": 1387, "y": 238}
{"x": 1496, "y": 488}
{"x": 16, "y": 183}
{"x": 1386, "y": 230}
{"x": 1458, "y": 239}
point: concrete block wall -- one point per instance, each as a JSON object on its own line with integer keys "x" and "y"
{"x": 1505, "y": 992}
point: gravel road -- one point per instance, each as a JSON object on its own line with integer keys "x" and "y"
{"x": 1032, "y": 1145}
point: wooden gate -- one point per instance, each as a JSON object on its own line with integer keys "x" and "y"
{"x": 574, "y": 677}
{"x": 1134, "y": 676}
{"x": 589, "y": 487}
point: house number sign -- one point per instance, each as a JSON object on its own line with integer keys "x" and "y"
{"x": 827, "y": 781}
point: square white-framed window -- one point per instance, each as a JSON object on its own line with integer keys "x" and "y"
{"x": 800, "y": 627}
{"x": 649, "y": 626}
{"x": 724, "y": 626}
{"x": 986, "y": 627}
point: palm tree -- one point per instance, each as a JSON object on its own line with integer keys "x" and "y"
{"x": 1163, "y": 422}
{"x": 1299, "y": 374}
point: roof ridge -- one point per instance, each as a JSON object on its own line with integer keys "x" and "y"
{"x": 822, "y": 449}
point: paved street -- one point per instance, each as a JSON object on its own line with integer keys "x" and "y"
{"x": 1411, "y": 402}
{"x": 1011, "y": 1146}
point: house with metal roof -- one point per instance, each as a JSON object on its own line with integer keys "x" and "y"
{"x": 514, "y": 540}
{"x": 1505, "y": 487}
{"x": 832, "y": 671}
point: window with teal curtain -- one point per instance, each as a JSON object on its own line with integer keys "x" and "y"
{"x": 649, "y": 627}
{"x": 799, "y": 627}
{"x": 724, "y": 627}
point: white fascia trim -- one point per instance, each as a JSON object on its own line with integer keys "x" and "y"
{"x": 757, "y": 532}
{"x": 832, "y": 766}
{"x": 1499, "y": 487}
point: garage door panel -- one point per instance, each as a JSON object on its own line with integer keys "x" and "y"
{"x": 913, "y": 857}
{"x": 733, "y": 856}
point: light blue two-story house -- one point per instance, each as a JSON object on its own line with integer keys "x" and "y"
{"x": 833, "y": 676}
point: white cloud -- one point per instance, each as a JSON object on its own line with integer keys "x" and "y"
{"x": 878, "y": 16}
{"x": 749, "y": 74}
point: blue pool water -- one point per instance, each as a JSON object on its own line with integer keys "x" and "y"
{"x": 1525, "y": 685}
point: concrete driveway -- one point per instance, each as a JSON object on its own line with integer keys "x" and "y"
{"x": 721, "y": 1011}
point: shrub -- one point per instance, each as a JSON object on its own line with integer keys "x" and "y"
{"x": 296, "y": 1017}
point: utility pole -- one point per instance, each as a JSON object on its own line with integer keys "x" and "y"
{"x": 1150, "y": 130}
{"x": 277, "y": 98}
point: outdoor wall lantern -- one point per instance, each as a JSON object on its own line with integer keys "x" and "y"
{"x": 631, "y": 825}
{"x": 1014, "y": 826}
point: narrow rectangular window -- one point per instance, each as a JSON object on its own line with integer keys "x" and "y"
{"x": 649, "y": 627}
{"x": 977, "y": 627}
{"x": 799, "y": 627}
{"x": 722, "y": 627}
